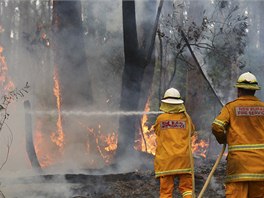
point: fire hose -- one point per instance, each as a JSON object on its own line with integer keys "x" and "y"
{"x": 192, "y": 162}
{"x": 212, "y": 171}
{"x": 224, "y": 146}
{"x": 190, "y": 150}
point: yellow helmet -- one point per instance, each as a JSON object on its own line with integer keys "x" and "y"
{"x": 172, "y": 96}
{"x": 247, "y": 81}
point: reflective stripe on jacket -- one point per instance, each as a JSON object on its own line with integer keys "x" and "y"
{"x": 172, "y": 152}
{"x": 243, "y": 121}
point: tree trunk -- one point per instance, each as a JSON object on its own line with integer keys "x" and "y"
{"x": 73, "y": 77}
{"x": 70, "y": 55}
{"x": 131, "y": 80}
{"x": 149, "y": 36}
{"x": 137, "y": 75}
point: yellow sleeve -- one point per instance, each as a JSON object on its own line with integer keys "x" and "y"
{"x": 220, "y": 125}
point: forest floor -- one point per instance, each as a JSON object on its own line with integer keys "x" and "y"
{"x": 134, "y": 184}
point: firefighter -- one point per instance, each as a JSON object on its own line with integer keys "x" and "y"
{"x": 173, "y": 156}
{"x": 240, "y": 125}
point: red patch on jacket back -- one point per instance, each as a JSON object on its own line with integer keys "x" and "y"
{"x": 249, "y": 111}
{"x": 173, "y": 124}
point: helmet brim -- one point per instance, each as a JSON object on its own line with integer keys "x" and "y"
{"x": 172, "y": 101}
{"x": 248, "y": 86}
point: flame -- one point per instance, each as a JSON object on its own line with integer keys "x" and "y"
{"x": 102, "y": 144}
{"x": 58, "y": 138}
{"x": 111, "y": 141}
{"x": 5, "y": 83}
{"x": 106, "y": 144}
{"x": 45, "y": 151}
{"x": 199, "y": 147}
{"x": 49, "y": 144}
{"x": 45, "y": 158}
{"x": 147, "y": 139}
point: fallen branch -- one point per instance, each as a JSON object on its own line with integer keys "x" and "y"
{"x": 6, "y": 100}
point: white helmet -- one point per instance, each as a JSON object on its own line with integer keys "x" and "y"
{"x": 247, "y": 81}
{"x": 172, "y": 96}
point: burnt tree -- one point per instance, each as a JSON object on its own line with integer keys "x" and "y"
{"x": 131, "y": 79}
{"x": 72, "y": 71}
{"x": 70, "y": 55}
{"x": 137, "y": 63}
{"x": 149, "y": 29}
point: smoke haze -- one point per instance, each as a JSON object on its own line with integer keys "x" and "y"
{"x": 30, "y": 58}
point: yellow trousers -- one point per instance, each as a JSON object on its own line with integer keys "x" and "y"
{"x": 167, "y": 185}
{"x": 247, "y": 189}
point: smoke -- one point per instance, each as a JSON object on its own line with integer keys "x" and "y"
{"x": 30, "y": 58}
{"x": 37, "y": 188}
{"x": 28, "y": 43}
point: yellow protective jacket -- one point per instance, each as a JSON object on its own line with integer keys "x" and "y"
{"x": 243, "y": 122}
{"x": 172, "y": 151}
